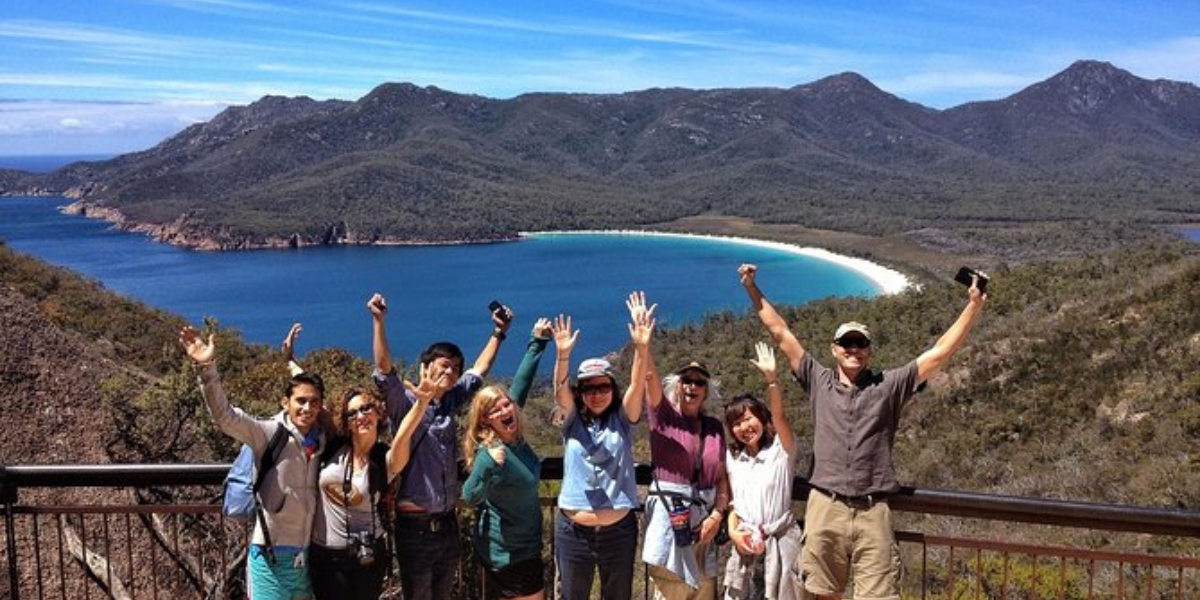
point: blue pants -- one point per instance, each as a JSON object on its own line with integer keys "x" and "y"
{"x": 428, "y": 559}
{"x": 579, "y": 551}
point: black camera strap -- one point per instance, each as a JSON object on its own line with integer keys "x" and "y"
{"x": 347, "y": 484}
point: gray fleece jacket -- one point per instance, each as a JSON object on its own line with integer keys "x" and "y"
{"x": 289, "y": 493}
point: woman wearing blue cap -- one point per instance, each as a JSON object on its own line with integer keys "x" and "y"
{"x": 595, "y": 527}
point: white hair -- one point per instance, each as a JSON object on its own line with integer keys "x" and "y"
{"x": 670, "y": 385}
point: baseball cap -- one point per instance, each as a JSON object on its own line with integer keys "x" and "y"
{"x": 693, "y": 365}
{"x": 594, "y": 367}
{"x": 852, "y": 327}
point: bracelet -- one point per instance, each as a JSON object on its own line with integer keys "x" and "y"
{"x": 772, "y": 384}
{"x": 201, "y": 365}
{"x": 499, "y": 334}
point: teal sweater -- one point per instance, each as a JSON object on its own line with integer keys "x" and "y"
{"x": 508, "y": 524}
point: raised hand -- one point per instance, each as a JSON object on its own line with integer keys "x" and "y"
{"x": 746, "y": 274}
{"x": 288, "y": 347}
{"x": 564, "y": 337}
{"x": 641, "y": 319}
{"x": 974, "y": 294}
{"x": 765, "y": 361}
{"x": 502, "y": 318}
{"x": 636, "y": 303}
{"x": 377, "y": 305}
{"x": 428, "y": 385}
{"x": 543, "y": 329}
{"x": 196, "y": 347}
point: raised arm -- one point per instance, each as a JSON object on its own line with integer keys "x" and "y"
{"x": 379, "y": 344}
{"x": 229, "y": 419}
{"x": 564, "y": 343}
{"x": 641, "y": 329}
{"x": 783, "y": 428}
{"x": 401, "y": 448}
{"x": 523, "y": 378}
{"x": 501, "y": 319}
{"x": 776, "y": 326}
{"x": 288, "y": 348}
{"x": 933, "y": 359}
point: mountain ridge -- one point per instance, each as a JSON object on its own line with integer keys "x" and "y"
{"x": 1091, "y": 148}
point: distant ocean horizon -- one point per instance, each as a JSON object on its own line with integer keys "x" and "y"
{"x": 434, "y": 292}
{"x": 48, "y": 162}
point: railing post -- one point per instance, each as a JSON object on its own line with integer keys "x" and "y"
{"x": 8, "y": 496}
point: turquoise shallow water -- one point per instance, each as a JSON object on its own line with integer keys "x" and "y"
{"x": 434, "y": 292}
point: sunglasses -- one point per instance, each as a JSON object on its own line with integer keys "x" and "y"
{"x": 854, "y": 342}
{"x": 693, "y": 381}
{"x": 362, "y": 411}
{"x": 602, "y": 388}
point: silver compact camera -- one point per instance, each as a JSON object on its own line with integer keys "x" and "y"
{"x": 362, "y": 548}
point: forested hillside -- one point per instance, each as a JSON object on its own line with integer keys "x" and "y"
{"x": 1092, "y": 158}
{"x": 1079, "y": 382}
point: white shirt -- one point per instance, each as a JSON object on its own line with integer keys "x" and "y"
{"x": 762, "y": 484}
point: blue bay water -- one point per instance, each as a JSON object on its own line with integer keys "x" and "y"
{"x": 1192, "y": 234}
{"x": 434, "y": 292}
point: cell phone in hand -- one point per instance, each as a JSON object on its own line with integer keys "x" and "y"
{"x": 498, "y": 309}
{"x": 964, "y": 277}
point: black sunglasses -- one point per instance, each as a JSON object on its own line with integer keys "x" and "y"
{"x": 693, "y": 381}
{"x": 854, "y": 342}
{"x": 600, "y": 388}
{"x": 364, "y": 410}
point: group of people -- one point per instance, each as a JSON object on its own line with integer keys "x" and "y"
{"x": 337, "y": 485}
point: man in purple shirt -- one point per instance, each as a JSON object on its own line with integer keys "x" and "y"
{"x": 427, "y": 532}
{"x": 848, "y": 528}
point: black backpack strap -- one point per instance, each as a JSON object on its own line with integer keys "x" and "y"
{"x": 266, "y": 462}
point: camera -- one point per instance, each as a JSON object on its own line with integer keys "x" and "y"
{"x": 362, "y": 548}
{"x": 498, "y": 309}
{"x": 964, "y": 277}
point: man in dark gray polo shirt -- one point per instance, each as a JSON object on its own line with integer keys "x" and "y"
{"x": 848, "y": 529}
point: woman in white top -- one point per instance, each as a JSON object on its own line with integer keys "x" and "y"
{"x": 349, "y": 556}
{"x": 761, "y": 465}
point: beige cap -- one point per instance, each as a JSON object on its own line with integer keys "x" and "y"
{"x": 851, "y": 327}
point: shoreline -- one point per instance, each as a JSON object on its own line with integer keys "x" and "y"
{"x": 888, "y": 281}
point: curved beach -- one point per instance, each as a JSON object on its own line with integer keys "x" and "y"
{"x": 888, "y": 281}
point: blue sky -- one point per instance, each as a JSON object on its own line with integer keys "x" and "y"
{"x": 109, "y": 76}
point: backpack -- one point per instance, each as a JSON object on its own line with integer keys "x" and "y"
{"x": 244, "y": 480}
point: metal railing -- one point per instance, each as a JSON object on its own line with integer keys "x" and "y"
{"x": 186, "y": 548}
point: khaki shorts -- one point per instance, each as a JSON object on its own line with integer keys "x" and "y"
{"x": 840, "y": 540}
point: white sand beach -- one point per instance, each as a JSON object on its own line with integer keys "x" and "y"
{"x": 888, "y": 281}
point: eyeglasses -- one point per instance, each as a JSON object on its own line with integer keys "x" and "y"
{"x": 362, "y": 411}
{"x": 601, "y": 388}
{"x": 854, "y": 342}
{"x": 693, "y": 381}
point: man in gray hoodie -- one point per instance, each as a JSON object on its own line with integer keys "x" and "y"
{"x": 289, "y": 492}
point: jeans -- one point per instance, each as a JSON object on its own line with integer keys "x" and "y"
{"x": 338, "y": 575}
{"x": 428, "y": 559}
{"x": 579, "y": 551}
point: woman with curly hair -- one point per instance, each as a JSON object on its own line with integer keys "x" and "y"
{"x": 349, "y": 554}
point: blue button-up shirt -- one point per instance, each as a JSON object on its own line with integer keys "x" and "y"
{"x": 431, "y": 478}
